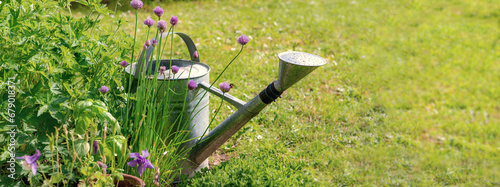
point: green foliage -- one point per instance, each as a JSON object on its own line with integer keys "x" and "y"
{"x": 249, "y": 170}
{"x": 86, "y": 111}
{"x": 56, "y": 62}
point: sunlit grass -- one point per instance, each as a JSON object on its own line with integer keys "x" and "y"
{"x": 410, "y": 94}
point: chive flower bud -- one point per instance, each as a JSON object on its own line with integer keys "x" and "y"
{"x": 149, "y": 22}
{"x": 124, "y": 63}
{"x": 162, "y": 26}
{"x": 158, "y": 11}
{"x": 162, "y": 69}
{"x": 225, "y": 87}
{"x": 192, "y": 85}
{"x": 136, "y": 4}
{"x": 154, "y": 43}
{"x": 174, "y": 20}
{"x": 104, "y": 89}
{"x": 175, "y": 69}
{"x": 195, "y": 55}
{"x": 243, "y": 40}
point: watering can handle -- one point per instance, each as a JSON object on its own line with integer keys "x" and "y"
{"x": 149, "y": 51}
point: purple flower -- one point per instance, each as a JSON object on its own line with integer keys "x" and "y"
{"x": 95, "y": 147}
{"x": 162, "y": 25}
{"x": 124, "y": 63}
{"x": 103, "y": 166}
{"x": 158, "y": 11}
{"x": 145, "y": 47}
{"x": 141, "y": 161}
{"x": 174, "y": 20}
{"x": 195, "y": 55}
{"x": 104, "y": 89}
{"x": 136, "y": 4}
{"x": 162, "y": 69}
{"x": 149, "y": 22}
{"x": 225, "y": 87}
{"x": 175, "y": 69}
{"x": 192, "y": 85}
{"x": 243, "y": 39}
{"x": 154, "y": 43}
{"x": 30, "y": 161}
{"x": 148, "y": 43}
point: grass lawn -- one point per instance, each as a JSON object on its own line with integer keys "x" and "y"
{"x": 410, "y": 96}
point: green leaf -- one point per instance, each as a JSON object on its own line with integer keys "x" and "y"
{"x": 42, "y": 110}
{"x": 82, "y": 124}
{"x": 117, "y": 143}
{"x": 54, "y": 179}
{"x": 82, "y": 147}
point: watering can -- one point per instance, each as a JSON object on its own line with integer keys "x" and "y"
{"x": 293, "y": 66}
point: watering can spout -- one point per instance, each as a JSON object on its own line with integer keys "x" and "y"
{"x": 293, "y": 67}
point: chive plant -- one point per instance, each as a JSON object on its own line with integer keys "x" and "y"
{"x": 150, "y": 127}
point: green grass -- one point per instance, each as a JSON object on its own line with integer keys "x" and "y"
{"x": 410, "y": 96}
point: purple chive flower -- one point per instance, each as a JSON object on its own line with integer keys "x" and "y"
{"x": 175, "y": 69}
{"x": 243, "y": 39}
{"x": 158, "y": 11}
{"x": 154, "y": 43}
{"x": 124, "y": 63}
{"x": 195, "y": 54}
{"x": 103, "y": 166}
{"x": 225, "y": 87}
{"x": 162, "y": 69}
{"x": 148, "y": 43}
{"x": 95, "y": 147}
{"x": 174, "y": 20}
{"x": 104, "y": 89}
{"x": 162, "y": 25}
{"x": 30, "y": 161}
{"x": 136, "y": 4}
{"x": 141, "y": 161}
{"x": 192, "y": 85}
{"x": 145, "y": 47}
{"x": 149, "y": 22}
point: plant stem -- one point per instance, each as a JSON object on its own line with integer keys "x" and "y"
{"x": 130, "y": 74}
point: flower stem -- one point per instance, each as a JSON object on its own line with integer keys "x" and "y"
{"x": 130, "y": 80}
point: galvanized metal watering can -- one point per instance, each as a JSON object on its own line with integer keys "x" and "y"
{"x": 293, "y": 66}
